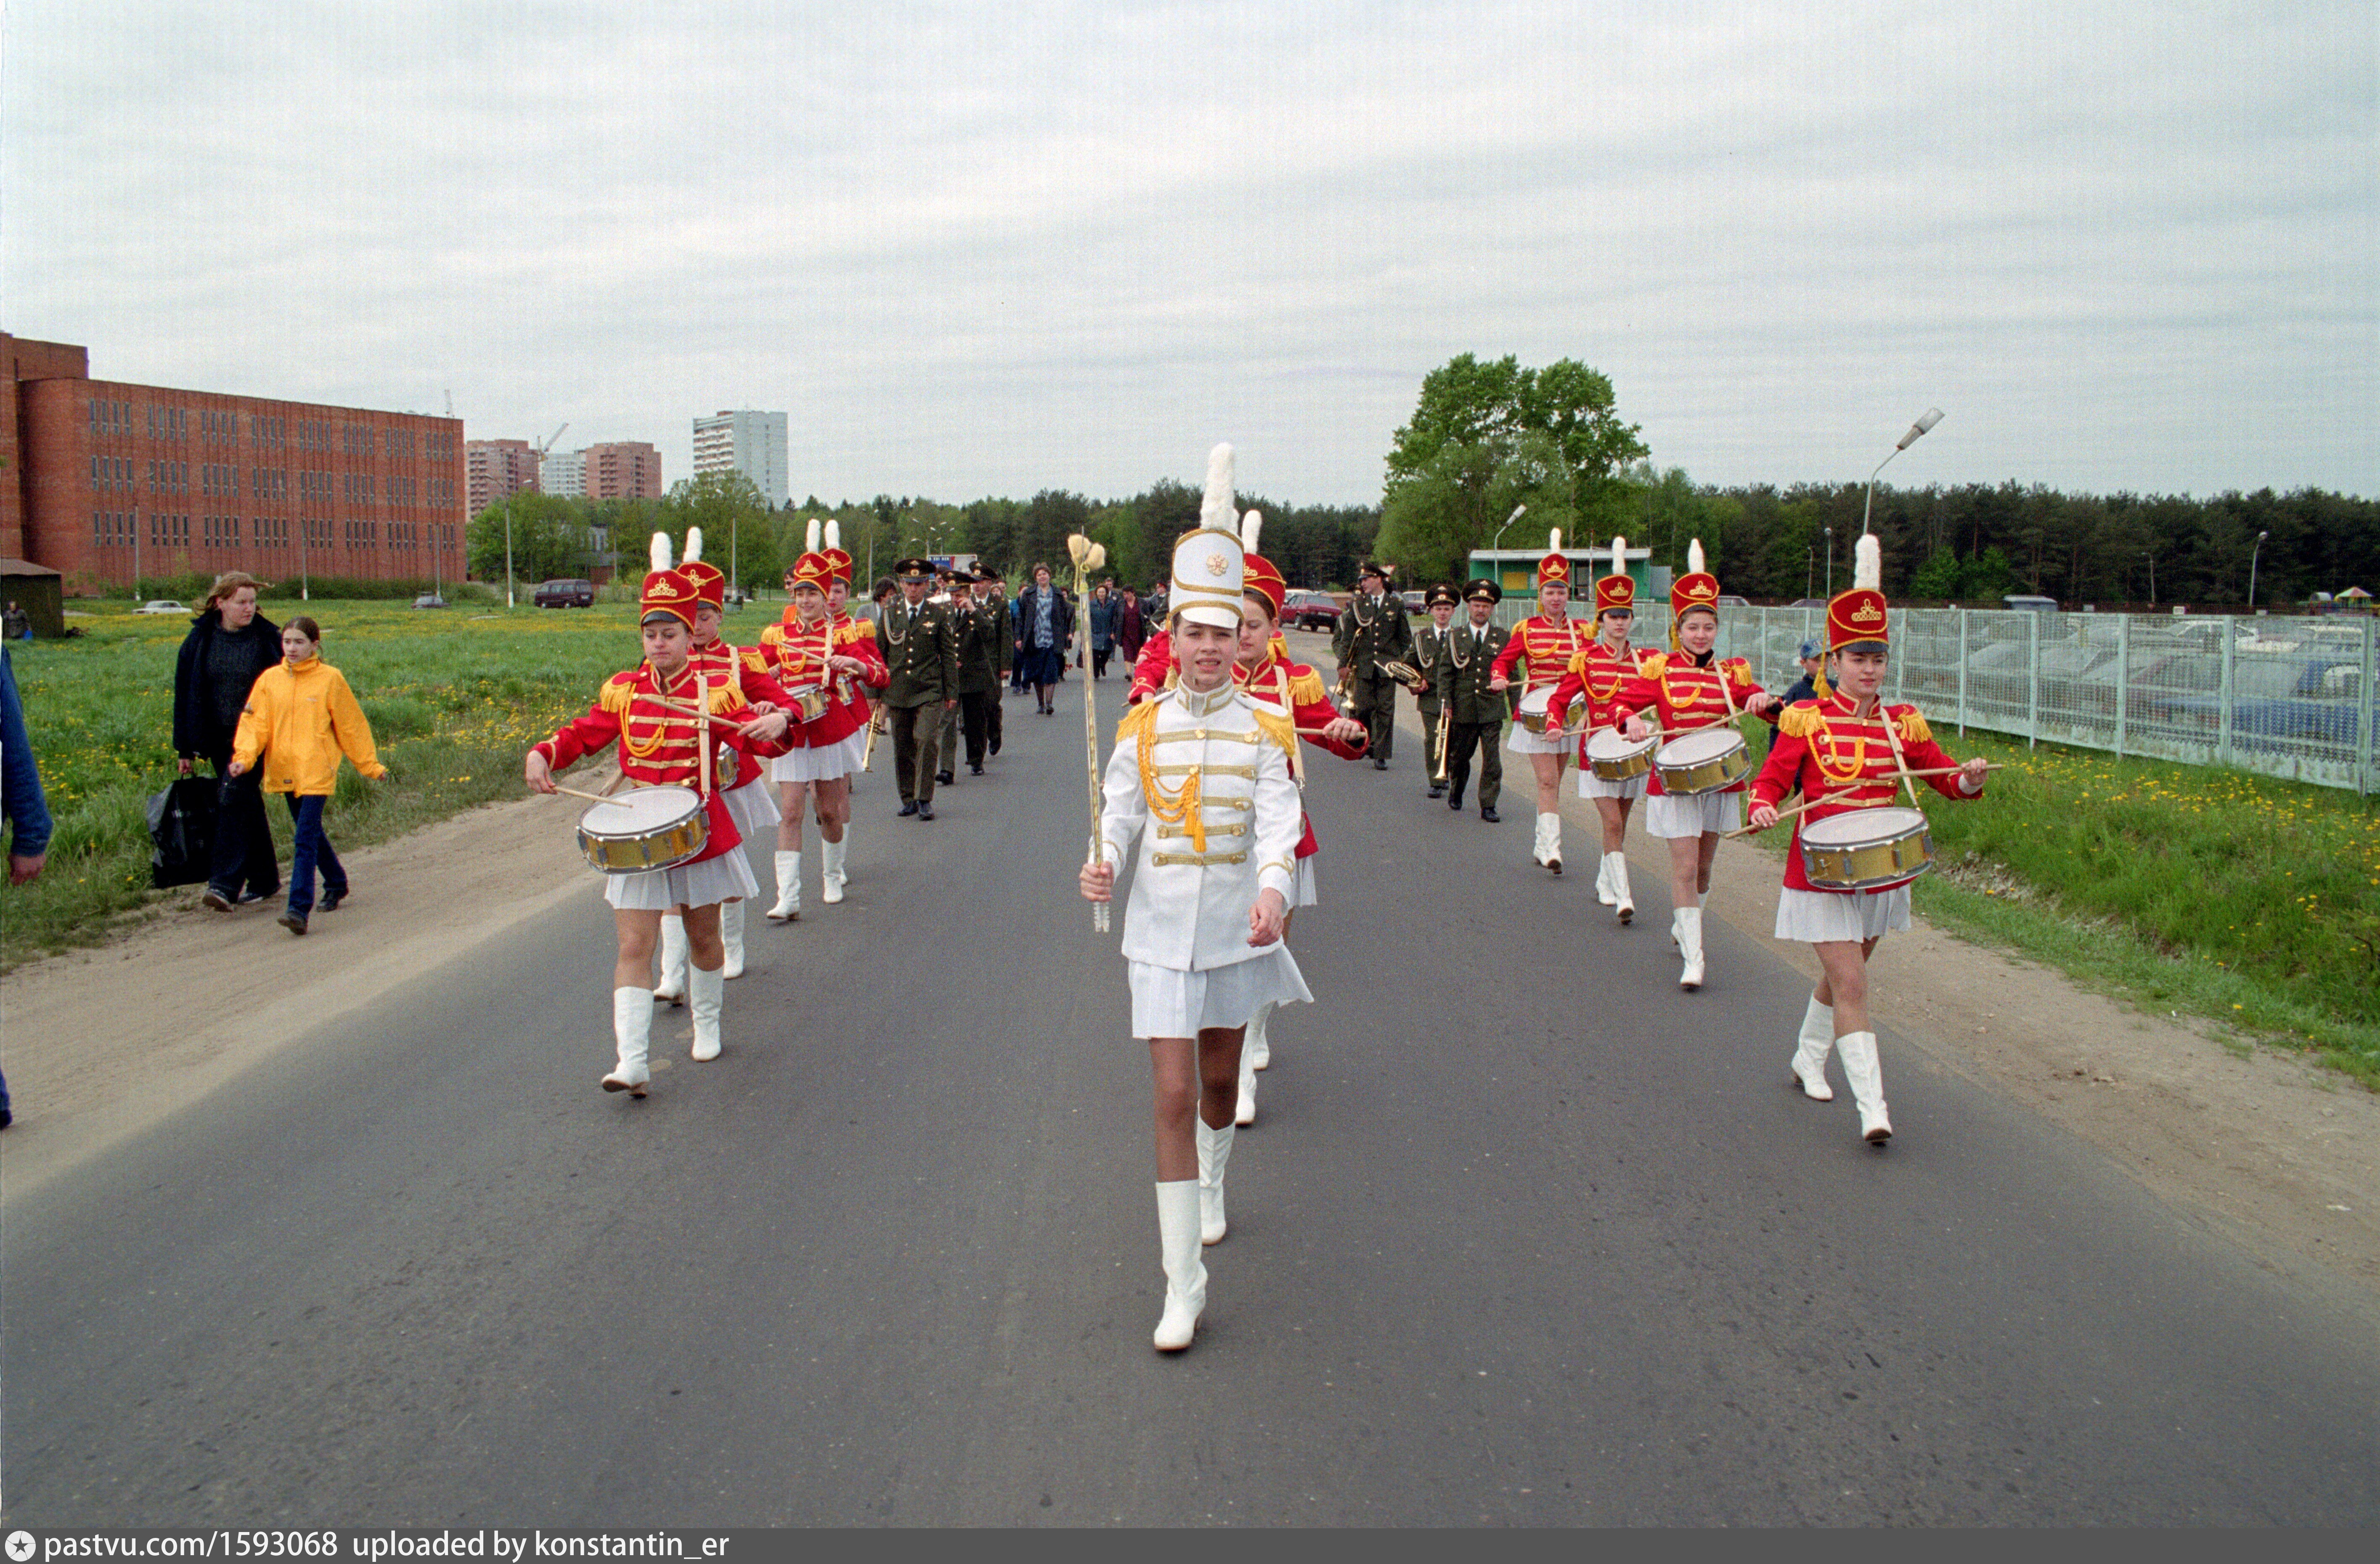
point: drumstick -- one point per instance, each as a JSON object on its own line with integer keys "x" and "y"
{"x": 1785, "y": 814}
{"x": 581, "y": 794}
{"x": 688, "y": 710}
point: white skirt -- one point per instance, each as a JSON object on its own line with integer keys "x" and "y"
{"x": 1166, "y": 1003}
{"x": 713, "y": 880}
{"x": 825, "y": 764}
{"x": 1308, "y": 893}
{"x": 753, "y": 807}
{"x": 1666, "y": 814}
{"x": 1590, "y": 786}
{"x": 1520, "y": 741}
{"x": 1813, "y": 917}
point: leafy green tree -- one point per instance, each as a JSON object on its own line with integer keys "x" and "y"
{"x": 550, "y": 537}
{"x": 1989, "y": 578}
{"x": 1937, "y": 578}
{"x": 737, "y": 532}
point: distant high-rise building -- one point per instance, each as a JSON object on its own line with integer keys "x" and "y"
{"x": 622, "y": 470}
{"x": 564, "y": 473}
{"x": 496, "y": 470}
{"x": 747, "y": 442}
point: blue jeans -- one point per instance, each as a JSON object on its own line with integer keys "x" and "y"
{"x": 312, "y": 849}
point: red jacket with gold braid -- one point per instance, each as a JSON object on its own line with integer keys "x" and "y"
{"x": 799, "y": 654}
{"x": 749, "y": 667}
{"x": 1309, "y": 707}
{"x": 659, "y": 746}
{"x": 1545, "y": 646}
{"x": 1845, "y": 763}
{"x": 1603, "y": 679}
{"x": 1153, "y": 670}
{"x": 1674, "y": 691}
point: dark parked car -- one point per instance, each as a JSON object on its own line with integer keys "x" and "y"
{"x": 1310, "y": 610}
{"x": 565, "y": 595}
{"x": 2275, "y": 700}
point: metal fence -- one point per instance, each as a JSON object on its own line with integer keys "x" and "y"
{"x": 2290, "y": 697}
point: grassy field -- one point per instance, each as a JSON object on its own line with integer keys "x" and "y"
{"x": 2190, "y": 889}
{"x": 454, "y": 696}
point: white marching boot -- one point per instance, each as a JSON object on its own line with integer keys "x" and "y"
{"x": 731, "y": 934}
{"x": 789, "y": 888}
{"x": 1809, "y": 1063}
{"x": 1603, "y": 891}
{"x": 1867, "y": 1076}
{"x": 1259, "y": 1048}
{"x": 710, "y": 997}
{"x": 674, "y": 959}
{"x": 1549, "y": 850}
{"x": 1689, "y": 925}
{"x": 830, "y": 861}
{"x": 1626, "y": 901}
{"x": 1214, "y": 1156}
{"x": 632, "y": 1032}
{"x": 1185, "y": 1270}
{"x": 1247, "y": 1111}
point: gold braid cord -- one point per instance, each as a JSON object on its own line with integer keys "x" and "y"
{"x": 1180, "y": 809}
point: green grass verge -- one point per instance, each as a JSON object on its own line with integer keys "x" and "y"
{"x": 453, "y": 699}
{"x": 2193, "y": 890}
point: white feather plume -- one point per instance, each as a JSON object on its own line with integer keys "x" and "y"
{"x": 1218, "y": 509}
{"x": 1868, "y": 563}
{"x": 661, "y": 551}
{"x": 1553, "y": 541}
{"x": 1619, "y": 555}
{"x": 1251, "y": 528}
{"x": 810, "y": 537}
{"x": 693, "y": 545}
{"x": 833, "y": 533}
{"x": 1694, "y": 558}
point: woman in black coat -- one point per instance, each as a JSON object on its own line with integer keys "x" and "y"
{"x": 1045, "y": 629}
{"x": 228, "y": 645}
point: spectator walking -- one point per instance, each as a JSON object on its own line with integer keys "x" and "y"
{"x": 1130, "y": 629}
{"x": 1045, "y": 623}
{"x": 229, "y": 645}
{"x": 27, "y": 812}
{"x": 16, "y": 624}
{"x": 1102, "y": 614}
{"x": 300, "y": 718}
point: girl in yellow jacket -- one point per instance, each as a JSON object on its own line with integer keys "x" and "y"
{"x": 300, "y": 715}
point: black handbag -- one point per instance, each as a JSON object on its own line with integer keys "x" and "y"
{"x": 182, "y": 832}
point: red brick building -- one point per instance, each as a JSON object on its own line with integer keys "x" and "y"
{"x": 622, "y": 470}
{"x": 100, "y": 471}
{"x": 497, "y": 470}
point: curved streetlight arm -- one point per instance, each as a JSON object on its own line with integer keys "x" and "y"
{"x": 1932, "y": 417}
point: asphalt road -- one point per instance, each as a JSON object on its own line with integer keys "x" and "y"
{"x": 1523, "y": 1235}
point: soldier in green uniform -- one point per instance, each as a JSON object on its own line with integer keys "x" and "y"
{"x": 981, "y": 630}
{"x": 1429, "y": 645}
{"x": 1464, "y": 666}
{"x": 921, "y": 649}
{"x": 1373, "y": 630}
{"x": 991, "y": 595}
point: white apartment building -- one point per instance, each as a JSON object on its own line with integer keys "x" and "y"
{"x": 747, "y": 442}
{"x": 564, "y": 473}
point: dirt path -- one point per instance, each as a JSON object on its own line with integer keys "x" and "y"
{"x": 2283, "y": 1157}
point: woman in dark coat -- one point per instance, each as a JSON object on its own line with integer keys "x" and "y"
{"x": 228, "y": 645}
{"x": 1045, "y": 629}
{"x": 1130, "y": 632}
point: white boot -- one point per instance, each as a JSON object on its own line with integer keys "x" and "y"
{"x": 673, "y": 953}
{"x": 710, "y": 995}
{"x": 1867, "y": 1076}
{"x": 730, "y": 934}
{"x": 831, "y": 860}
{"x": 1185, "y": 1270}
{"x": 1689, "y": 925}
{"x": 1549, "y": 850}
{"x": 1603, "y": 892}
{"x": 1620, "y": 894}
{"x": 1214, "y": 1156}
{"x": 632, "y": 1031}
{"x": 1259, "y": 1048}
{"x": 1246, "y": 1112}
{"x": 789, "y": 888}
{"x": 1809, "y": 1064}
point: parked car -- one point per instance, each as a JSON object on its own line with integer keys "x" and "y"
{"x": 430, "y": 600}
{"x": 162, "y": 605}
{"x": 1413, "y": 600}
{"x": 1308, "y": 610}
{"x": 2275, "y": 700}
{"x": 564, "y": 594}
{"x": 1726, "y": 600}
{"x": 2025, "y": 601}
{"x": 1807, "y": 603}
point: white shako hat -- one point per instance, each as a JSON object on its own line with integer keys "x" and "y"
{"x": 1209, "y": 564}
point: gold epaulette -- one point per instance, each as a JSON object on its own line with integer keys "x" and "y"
{"x": 1279, "y": 727}
{"x": 858, "y": 630}
{"x": 1653, "y": 664}
{"x": 723, "y": 697}
{"x": 773, "y": 635}
{"x": 1304, "y": 685}
{"x": 1913, "y": 726}
{"x": 753, "y": 660}
{"x": 1801, "y": 719}
{"x": 1134, "y": 722}
{"x": 1742, "y": 665}
{"x": 617, "y": 691}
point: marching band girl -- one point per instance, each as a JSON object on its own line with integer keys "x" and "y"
{"x": 1548, "y": 642}
{"x": 1606, "y": 667}
{"x": 810, "y": 649}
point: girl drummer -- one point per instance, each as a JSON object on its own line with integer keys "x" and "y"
{"x": 1691, "y": 691}
{"x": 1265, "y": 673}
{"x": 1200, "y": 789}
{"x": 1845, "y": 752}
{"x": 1548, "y": 642}
{"x": 825, "y": 668}
{"x": 1600, "y": 673}
{"x": 650, "y": 712}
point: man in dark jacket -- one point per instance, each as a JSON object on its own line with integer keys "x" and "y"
{"x": 229, "y": 645}
{"x": 921, "y": 649}
{"x": 1463, "y": 668}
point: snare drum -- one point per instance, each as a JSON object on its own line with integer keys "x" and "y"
{"x": 1534, "y": 707}
{"x": 1613, "y": 757}
{"x": 644, "y": 828}
{"x": 1709, "y": 760}
{"x": 1865, "y": 849}
{"x": 809, "y": 703}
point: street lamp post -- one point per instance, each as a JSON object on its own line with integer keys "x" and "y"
{"x": 2252, "y": 566}
{"x": 1932, "y": 417}
{"x": 508, "y": 552}
{"x": 2152, "y": 559}
{"x": 1830, "y": 559}
{"x": 1497, "y": 542}
{"x": 1809, "y": 583}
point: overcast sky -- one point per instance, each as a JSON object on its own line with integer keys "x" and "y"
{"x": 2124, "y": 246}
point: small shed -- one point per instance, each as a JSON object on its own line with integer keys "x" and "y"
{"x": 39, "y": 591}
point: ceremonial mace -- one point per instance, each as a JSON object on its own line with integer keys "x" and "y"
{"x": 1089, "y": 556}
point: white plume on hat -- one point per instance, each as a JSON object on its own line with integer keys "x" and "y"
{"x": 1618, "y": 555}
{"x": 1251, "y": 528}
{"x": 661, "y": 551}
{"x": 1217, "y": 510}
{"x": 810, "y": 537}
{"x": 833, "y": 533}
{"x": 1868, "y": 563}
{"x": 693, "y": 545}
{"x": 1553, "y": 541}
{"x": 1694, "y": 558}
